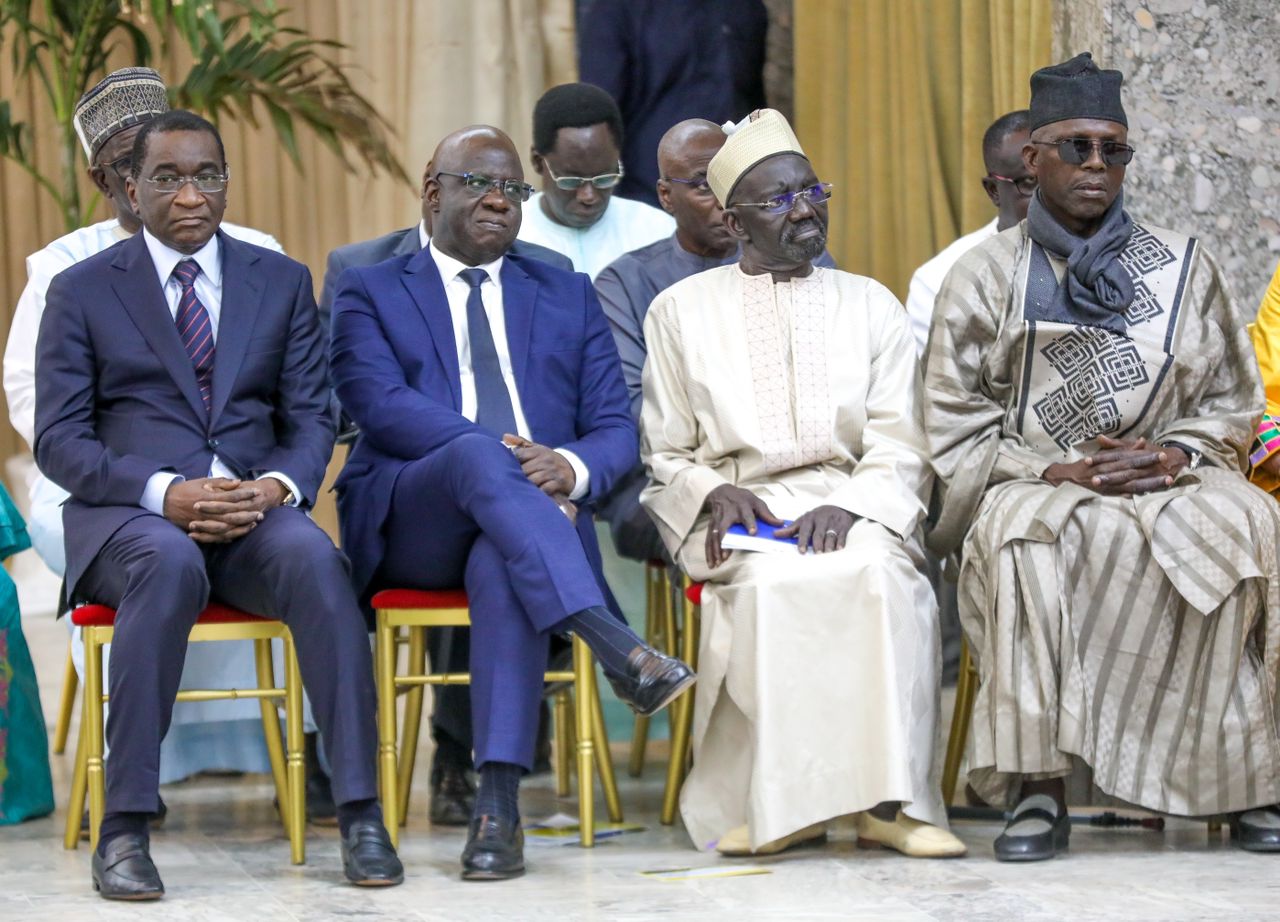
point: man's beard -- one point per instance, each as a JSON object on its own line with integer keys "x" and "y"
{"x": 805, "y": 250}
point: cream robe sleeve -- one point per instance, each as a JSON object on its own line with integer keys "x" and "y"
{"x": 669, "y": 432}
{"x": 891, "y": 478}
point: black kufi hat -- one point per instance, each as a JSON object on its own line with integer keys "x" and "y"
{"x": 1076, "y": 89}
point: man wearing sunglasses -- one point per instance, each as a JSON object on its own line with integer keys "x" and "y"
{"x": 577, "y": 150}
{"x": 777, "y": 392}
{"x": 217, "y": 735}
{"x": 1090, "y": 399}
{"x": 1009, "y": 186}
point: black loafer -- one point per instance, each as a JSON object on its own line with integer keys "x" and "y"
{"x": 125, "y": 871}
{"x": 368, "y": 857}
{"x": 1257, "y": 830}
{"x": 652, "y": 681}
{"x": 494, "y": 849}
{"x": 1035, "y": 832}
{"x": 453, "y": 796}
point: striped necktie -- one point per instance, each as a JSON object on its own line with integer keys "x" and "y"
{"x": 195, "y": 328}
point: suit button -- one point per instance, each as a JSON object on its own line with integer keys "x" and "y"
{"x": 213, "y": 444}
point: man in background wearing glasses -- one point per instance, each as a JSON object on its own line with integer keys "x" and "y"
{"x": 577, "y": 150}
{"x": 1090, "y": 399}
{"x": 778, "y": 392}
{"x": 1009, "y": 186}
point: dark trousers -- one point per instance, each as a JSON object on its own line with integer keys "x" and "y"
{"x": 159, "y": 580}
{"x": 466, "y": 515}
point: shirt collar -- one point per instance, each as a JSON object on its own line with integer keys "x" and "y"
{"x": 423, "y": 237}
{"x": 166, "y": 258}
{"x": 450, "y": 267}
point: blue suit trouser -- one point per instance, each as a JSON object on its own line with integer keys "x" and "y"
{"x": 466, "y": 515}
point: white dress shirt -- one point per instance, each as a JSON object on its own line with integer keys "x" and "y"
{"x": 208, "y": 288}
{"x": 626, "y": 225}
{"x": 457, "y": 290}
{"x": 928, "y": 280}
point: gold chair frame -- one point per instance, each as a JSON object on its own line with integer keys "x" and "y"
{"x": 288, "y": 769}
{"x": 585, "y": 734}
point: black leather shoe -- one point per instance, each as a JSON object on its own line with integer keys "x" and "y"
{"x": 494, "y": 850}
{"x": 126, "y": 871}
{"x": 321, "y": 809}
{"x": 652, "y": 680}
{"x": 1036, "y": 832}
{"x": 368, "y": 857}
{"x": 453, "y": 796}
{"x": 154, "y": 822}
{"x": 1257, "y": 830}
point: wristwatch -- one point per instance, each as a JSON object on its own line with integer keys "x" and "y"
{"x": 1194, "y": 458}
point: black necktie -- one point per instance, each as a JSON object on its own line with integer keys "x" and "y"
{"x": 493, "y": 401}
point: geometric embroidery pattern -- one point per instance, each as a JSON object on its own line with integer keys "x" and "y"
{"x": 1145, "y": 253}
{"x": 1145, "y": 306}
{"x": 1095, "y": 365}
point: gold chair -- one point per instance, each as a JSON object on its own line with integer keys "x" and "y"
{"x": 660, "y": 632}
{"x": 419, "y": 609}
{"x": 70, "y": 682}
{"x": 687, "y": 632}
{"x": 961, "y": 716}
{"x": 217, "y": 622}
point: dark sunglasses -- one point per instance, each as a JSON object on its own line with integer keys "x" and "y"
{"x": 1078, "y": 150}
{"x": 1026, "y": 185}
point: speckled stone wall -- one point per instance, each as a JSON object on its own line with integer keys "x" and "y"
{"x": 1202, "y": 92}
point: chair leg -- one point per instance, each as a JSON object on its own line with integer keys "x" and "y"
{"x": 412, "y": 717}
{"x": 604, "y": 759}
{"x": 681, "y": 717}
{"x": 966, "y": 688}
{"x": 564, "y": 744}
{"x": 296, "y": 758}
{"x": 385, "y": 668}
{"x": 271, "y": 728}
{"x": 75, "y": 803}
{"x": 91, "y": 714}
{"x": 584, "y": 694}
{"x": 70, "y": 681}
{"x": 640, "y": 731}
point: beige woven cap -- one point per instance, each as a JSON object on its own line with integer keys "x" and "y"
{"x": 763, "y": 134}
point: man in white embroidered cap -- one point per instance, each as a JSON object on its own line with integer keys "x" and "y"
{"x": 779, "y": 395}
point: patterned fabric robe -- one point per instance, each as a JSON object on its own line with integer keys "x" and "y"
{"x": 1136, "y": 635}
{"x": 818, "y": 674}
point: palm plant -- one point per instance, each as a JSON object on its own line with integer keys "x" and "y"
{"x": 245, "y": 59}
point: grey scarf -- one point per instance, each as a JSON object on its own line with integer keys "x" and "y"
{"x": 1097, "y": 290}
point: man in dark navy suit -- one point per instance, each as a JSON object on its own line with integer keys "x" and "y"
{"x": 452, "y": 785}
{"x": 181, "y": 399}
{"x": 439, "y": 357}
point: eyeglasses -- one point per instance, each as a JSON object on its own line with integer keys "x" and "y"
{"x": 1026, "y": 185}
{"x": 698, "y": 184}
{"x": 480, "y": 185}
{"x": 1078, "y": 150}
{"x": 207, "y": 183}
{"x": 569, "y": 183}
{"x": 122, "y": 166}
{"x": 781, "y": 204}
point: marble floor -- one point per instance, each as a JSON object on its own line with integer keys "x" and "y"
{"x": 223, "y": 856}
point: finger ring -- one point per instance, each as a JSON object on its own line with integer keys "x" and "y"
{"x": 832, "y": 531}
{"x": 715, "y": 531}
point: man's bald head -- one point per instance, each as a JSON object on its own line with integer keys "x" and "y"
{"x": 682, "y": 136}
{"x": 475, "y": 222}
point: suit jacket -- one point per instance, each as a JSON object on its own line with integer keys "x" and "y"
{"x": 404, "y": 243}
{"x": 116, "y": 394}
{"x": 395, "y": 368}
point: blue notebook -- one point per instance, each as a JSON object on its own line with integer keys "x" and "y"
{"x": 738, "y": 539}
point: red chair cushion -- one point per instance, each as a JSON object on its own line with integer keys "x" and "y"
{"x": 216, "y": 613}
{"x": 694, "y": 593}
{"x": 420, "y": 598}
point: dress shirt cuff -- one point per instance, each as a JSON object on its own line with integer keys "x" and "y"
{"x": 582, "y": 476}
{"x": 153, "y": 493}
{"x": 295, "y": 495}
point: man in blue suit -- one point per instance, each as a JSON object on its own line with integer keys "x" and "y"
{"x": 440, "y": 357}
{"x": 181, "y": 400}
{"x": 452, "y": 787}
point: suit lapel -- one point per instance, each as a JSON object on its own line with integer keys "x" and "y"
{"x": 241, "y": 296}
{"x": 139, "y": 291}
{"x": 422, "y": 279}
{"x": 410, "y": 243}
{"x": 519, "y": 295}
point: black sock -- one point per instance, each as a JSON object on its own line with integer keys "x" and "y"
{"x": 499, "y": 793}
{"x": 354, "y": 811}
{"x": 610, "y": 640}
{"x": 120, "y": 824}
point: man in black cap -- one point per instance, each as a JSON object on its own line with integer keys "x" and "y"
{"x": 1090, "y": 398}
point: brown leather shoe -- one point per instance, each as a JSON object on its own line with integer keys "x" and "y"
{"x": 652, "y": 680}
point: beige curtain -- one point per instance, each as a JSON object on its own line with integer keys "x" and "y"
{"x": 429, "y": 66}
{"x": 892, "y": 98}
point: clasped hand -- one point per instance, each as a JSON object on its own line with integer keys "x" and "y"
{"x": 1122, "y": 468}
{"x": 546, "y": 469}
{"x": 823, "y": 529}
{"x": 218, "y": 510}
